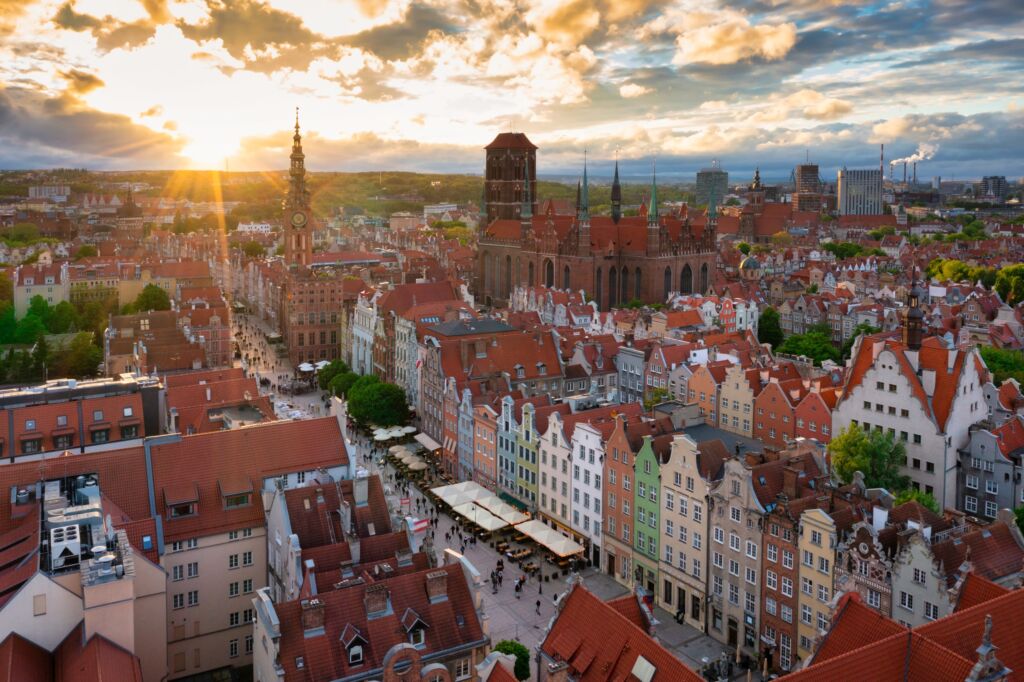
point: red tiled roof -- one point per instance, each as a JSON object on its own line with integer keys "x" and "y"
{"x": 97, "y": 660}
{"x": 1010, "y": 435}
{"x": 906, "y": 655}
{"x": 629, "y": 606}
{"x": 260, "y": 451}
{"x": 324, "y": 656}
{"x": 511, "y": 141}
{"x": 854, "y": 626}
{"x": 600, "y": 643}
{"x": 21, "y": 660}
{"x": 992, "y": 551}
{"x": 977, "y": 590}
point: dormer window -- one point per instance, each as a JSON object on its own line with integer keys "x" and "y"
{"x": 234, "y": 501}
{"x": 181, "y": 500}
{"x": 520, "y": 372}
{"x": 355, "y": 654}
{"x": 179, "y": 510}
{"x": 353, "y": 641}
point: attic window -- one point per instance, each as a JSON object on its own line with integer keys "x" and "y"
{"x": 520, "y": 372}
{"x": 542, "y": 369}
{"x": 180, "y": 510}
{"x": 355, "y": 654}
{"x": 235, "y": 501}
{"x": 300, "y": 662}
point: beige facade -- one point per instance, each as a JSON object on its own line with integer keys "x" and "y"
{"x": 736, "y": 403}
{"x": 685, "y": 525}
{"x": 211, "y": 582}
{"x": 735, "y": 559}
{"x": 816, "y": 544}
{"x": 129, "y": 289}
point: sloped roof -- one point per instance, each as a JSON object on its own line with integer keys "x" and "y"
{"x": 854, "y": 626}
{"x": 600, "y": 643}
{"x": 977, "y": 590}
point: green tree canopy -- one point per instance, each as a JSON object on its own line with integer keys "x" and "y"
{"x": 522, "y": 654}
{"x": 378, "y": 403}
{"x": 656, "y": 396}
{"x": 768, "y": 328}
{"x": 151, "y": 297}
{"x": 1010, "y": 284}
{"x": 86, "y": 251}
{"x": 341, "y": 384}
{"x": 329, "y": 371}
{"x": 254, "y": 250}
{"x": 844, "y": 250}
{"x": 926, "y": 500}
{"x": 743, "y": 248}
{"x": 877, "y": 455}
{"x": 815, "y": 344}
{"x": 1004, "y": 363}
{"x": 82, "y": 357}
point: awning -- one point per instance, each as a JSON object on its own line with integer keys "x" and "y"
{"x": 552, "y": 539}
{"x": 427, "y": 442}
{"x": 480, "y": 516}
{"x": 518, "y": 504}
{"x": 449, "y": 444}
{"x": 502, "y": 510}
{"x": 459, "y": 493}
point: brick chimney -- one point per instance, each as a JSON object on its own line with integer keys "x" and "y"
{"x": 312, "y": 616}
{"x": 790, "y": 476}
{"x": 437, "y": 585}
{"x": 376, "y": 598}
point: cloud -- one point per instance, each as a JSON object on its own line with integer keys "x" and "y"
{"x": 80, "y": 82}
{"x": 53, "y": 131}
{"x": 630, "y": 90}
{"x": 403, "y": 39}
{"x": 732, "y": 38}
{"x": 805, "y": 103}
{"x": 109, "y": 32}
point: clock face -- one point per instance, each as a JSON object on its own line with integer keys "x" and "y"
{"x": 298, "y": 219}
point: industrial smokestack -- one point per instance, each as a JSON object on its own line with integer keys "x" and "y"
{"x": 915, "y": 172}
{"x": 904, "y": 172}
{"x": 881, "y": 160}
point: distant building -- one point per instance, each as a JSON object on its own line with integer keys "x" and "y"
{"x": 255, "y": 228}
{"x": 712, "y": 182}
{"x": 860, "y": 192}
{"x": 56, "y": 192}
{"x": 993, "y": 187}
{"x": 807, "y": 196}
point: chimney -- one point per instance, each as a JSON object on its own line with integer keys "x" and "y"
{"x": 376, "y": 599}
{"x": 790, "y": 476}
{"x": 360, "y": 488}
{"x": 915, "y": 172}
{"x": 879, "y": 517}
{"x": 437, "y": 586}
{"x": 312, "y": 616}
{"x": 209, "y": 394}
{"x": 904, "y": 172}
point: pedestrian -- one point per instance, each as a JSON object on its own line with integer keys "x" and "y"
{"x": 462, "y": 549}
{"x": 501, "y": 575}
{"x": 538, "y": 607}
{"x": 540, "y": 585}
{"x": 517, "y": 589}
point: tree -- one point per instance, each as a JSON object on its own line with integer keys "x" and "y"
{"x": 1010, "y": 284}
{"x": 378, "y": 403}
{"x": 1019, "y": 512}
{"x": 815, "y": 344}
{"x": 341, "y": 384}
{"x": 522, "y": 654}
{"x": 743, "y": 248}
{"x": 151, "y": 297}
{"x": 813, "y": 289}
{"x": 862, "y": 328}
{"x": 63, "y": 318}
{"x": 86, "y": 251}
{"x": 1003, "y": 363}
{"x": 656, "y": 396}
{"x": 254, "y": 250}
{"x": 82, "y": 357}
{"x": 40, "y": 356}
{"x": 768, "y": 328}
{"x": 843, "y": 250}
{"x": 24, "y": 233}
{"x": 29, "y": 329}
{"x": 877, "y": 455}
{"x": 926, "y": 500}
{"x": 329, "y": 371}
{"x": 782, "y": 238}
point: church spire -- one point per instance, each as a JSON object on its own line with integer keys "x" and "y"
{"x": 616, "y": 193}
{"x": 298, "y": 197}
{"x": 584, "y": 212}
{"x": 652, "y": 212}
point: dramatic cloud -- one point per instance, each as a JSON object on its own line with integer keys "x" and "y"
{"x": 425, "y": 83}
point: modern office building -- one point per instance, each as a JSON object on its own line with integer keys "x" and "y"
{"x": 860, "y": 192}
{"x": 712, "y": 182}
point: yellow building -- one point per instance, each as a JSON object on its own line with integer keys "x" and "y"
{"x": 817, "y": 547}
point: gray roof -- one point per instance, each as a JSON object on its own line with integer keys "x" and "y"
{"x": 705, "y": 432}
{"x": 484, "y": 325}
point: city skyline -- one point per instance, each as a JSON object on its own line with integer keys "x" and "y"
{"x": 414, "y": 86}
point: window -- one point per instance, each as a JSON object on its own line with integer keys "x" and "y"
{"x": 787, "y": 587}
{"x": 697, "y": 512}
{"x": 62, "y": 420}
{"x": 874, "y": 599}
{"x": 734, "y": 514}
{"x": 233, "y": 619}
{"x": 248, "y": 644}
{"x": 808, "y": 558}
{"x": 770, "y": 606}
{"x": 907, "y": 601}
{"x": 179, "y": 510}
{"x": 823, "y": 593}
{"x": 822, "y": 622}
{"x": 233, "y": 589}
{"x": 734, "y": 594}
{"x": 823, "y": 564}
{"x": 972, "y": 482}
{"x": 669, "y": 528}
{"x": 919, "y": 576}
{"x": 717, "y": 559}
{"x": 751, "y": 575}
{"x": 806, "y": 614}
{"x": 417, "y": 637}
{"x": 771, "y": 579}
{"x": 178, "y": 573}
{"x": 991, "y": 508}
{"x": 247, "y": 558}
{"x": 970, "y": 504}
{"x": 787, "y": 559}
{"x": 991, "y": 488}
{"x": 734, "y": 567}
{"x": 232, "y": 561}
{"x": 751, "y": 549}
{"x": 931, "y": 611}
{"x": 787, "y": 613}
{"x": 193, "y": 598}
{"x": 734, "y": 542}
{"x": 816, "y": 538}
{"x": 193, "y": 569}
{"x": 719, "y": 535}
{"x": 355, "y": 654}
{"x": 806, "y": 586}
{"x": 773, "y": 553}
{"x": 462, "y": 669}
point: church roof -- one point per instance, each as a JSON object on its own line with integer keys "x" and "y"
{"x": 511, "y": 141}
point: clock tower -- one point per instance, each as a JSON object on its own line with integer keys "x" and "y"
{"x": 298, "y": 218}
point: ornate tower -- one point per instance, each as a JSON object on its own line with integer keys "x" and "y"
{"x": 526, "y": 210}
{"x": 913, "y": 318}
{"x": 511, "y": 159}
{"x": 653, "y": 226}
{"x": 616, "y": 195}
{"x": 583, "y": 214}
{"x": 298, "y": 243}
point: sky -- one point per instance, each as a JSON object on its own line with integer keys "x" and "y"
{"x": 423, "y": 85}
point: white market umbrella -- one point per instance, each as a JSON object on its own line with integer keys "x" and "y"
{"x": 305, "y": 367}
{"x": 408, "y": 429}
{"x": 417, "y": 466}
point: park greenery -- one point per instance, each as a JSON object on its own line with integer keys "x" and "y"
{"x": 876, "y": 454}
{"x": 150, "y": 298}
{"x": 522, "y": 654}
{"x": 1004, "y": 363}
{"x": 1010, "y": 284}
{"x": 29, "y": 356}
{"x": 815, "y": 343}
{"x": 950, "y": 269}
{"x": 926, "y": 500}
{"x": 844, "y": 250}
{"x": 768, "y": 328}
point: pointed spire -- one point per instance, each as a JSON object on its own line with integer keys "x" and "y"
{"x": 652, "y": 211}
{"x": 757, "y": 179}
{"x": 616, "y": 193}
{"x": 585, "y": 194}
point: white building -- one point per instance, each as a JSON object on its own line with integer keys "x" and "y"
{"x": 860, "y": 192}
{"x": 588, "y": 441}
{"x": 255, "y": 228}
{"x": 363, "y": 327}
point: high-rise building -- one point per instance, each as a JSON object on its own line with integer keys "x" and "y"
{"x": 993, "y": 187}
{"x": 860, "y": 192}
{"x": 807, "y": 196}
{"x": 712, "y": 182}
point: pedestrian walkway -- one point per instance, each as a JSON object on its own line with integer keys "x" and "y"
{"x": 518, "y": 619}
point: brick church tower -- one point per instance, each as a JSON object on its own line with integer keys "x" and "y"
{"x": 298, "y": 243}
{"x": 511, "y": 163}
